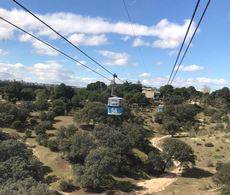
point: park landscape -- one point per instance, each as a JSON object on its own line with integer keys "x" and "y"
{"x": 90, "y": 105}
{"x": 60, "y": 140}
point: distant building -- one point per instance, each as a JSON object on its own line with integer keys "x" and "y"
{"x": 149, "y": 92}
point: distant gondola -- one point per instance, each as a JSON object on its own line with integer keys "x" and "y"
{"x": 115, "y": 104}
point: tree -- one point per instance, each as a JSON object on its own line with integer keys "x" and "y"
{"x": 171, "y": 126}
{"x": 59, "y": 107}
{"x": 94, "y": 112}
{"x": 96, "y": 86}
{"x": 63, "y": 91}
{"x": 137, "y": 98}
{"x": 41, "y": 99}
{"x": 166, "y": 90}
{"x": 13, "y": 91}
{"x": 99, "y": 165}
{"x": 76, "y": 101}
{"x": 175, "y": 149}
{"x": 28, "y": 94}
{"x": 80, "y": 145}
{"x": 155, "y": 164}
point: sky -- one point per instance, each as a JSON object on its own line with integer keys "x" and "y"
{"x": 143, "y": 50}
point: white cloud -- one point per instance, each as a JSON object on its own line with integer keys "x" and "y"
{"x": 139, "y": 42}
{"x": 170, "y": 34}
{"x": 25, "y": 37}
{"x": 3, "y": 52}
{"x": 159, "y": 62}
{"x": 198, "y": 82}
{"x": 40, "y": 48}
{"x": 89, "y": 40}
{"x": 125, "y": 38}
{"x": 114, "y": 58}
{"x": 145, "y": 74}
{"x": 191, "y": 68}
{"x": 11, "y": 71}
{"x": 47, "y": 72}
{"x": 50, "y": 72}
{"x": 6, "y": 31}
{"x": 167, "y": 34}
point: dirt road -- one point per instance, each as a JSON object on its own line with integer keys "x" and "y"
{"x": 158, "y": 184}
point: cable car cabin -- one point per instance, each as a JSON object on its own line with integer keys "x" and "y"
{"x": 160, "y": 108}
{"x": 156, "y": 96}
{"x": 115, "y": 106}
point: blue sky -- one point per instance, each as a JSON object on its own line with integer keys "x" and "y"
{"x": 101, "y": 28}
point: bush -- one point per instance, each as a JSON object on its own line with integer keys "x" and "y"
{"x": 33, "y": 122}
{"x": 50, "y": 116}
{"x": 222, "y": 176}
{"x": 18, "y": 125}
{"x": 66, "y": 186}
{"x": 42, "y": 139}
{"x": 52, "y": 145}
{"x": 39, "y": 129}
{"x": 46, "y": 125}
{"x": 28, "y": 134}
{"x": 225, "y": 118}
{"x": 43, "y": 116}
{"x": 209, "y": 144}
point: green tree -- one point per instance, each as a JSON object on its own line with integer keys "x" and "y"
{"x": 41, "y": 99}
{"x": 80, "y": 146}
{"x": 94, "y": 112}
{"x": 59, "y": 107}
{"x": 171, "y": 126}
{"x": 99, "y": 165}
{"x": 175, "y": 149}
{"x": 63, "y": 91}
{"x": 28, "y": 94}
{"x": 96, "y": 86}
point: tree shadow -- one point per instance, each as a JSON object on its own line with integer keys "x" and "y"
{"x": 123, "y": 186}
{"x": 196, "y": 173}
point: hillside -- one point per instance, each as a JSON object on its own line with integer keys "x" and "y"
{"x": 180, "y": 150}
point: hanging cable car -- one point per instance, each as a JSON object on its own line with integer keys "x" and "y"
{"x": 160, "y": 108}
{"x": 115, "y": 104}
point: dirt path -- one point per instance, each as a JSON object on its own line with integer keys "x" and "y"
{"x": 158, "y": 184}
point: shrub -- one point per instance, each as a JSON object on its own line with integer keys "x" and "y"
{"x": 52, "y": 145}
{"x": 33, "y": 122}
{"x": 225, "y": 118}
{"x": 42, "y": 139}
{"x": 46, "y": 125}
{"x": 18, "y": 125}
{"x": 209, "y": 144}
{"x": 28, "y": 134}
{"x": 218, "y": 127}
{"x": 50, "y": 116}
{"x": 39, "y": 129}
{"x": 66, "y": 186}
{"x": 222, "y": 176}
{"x": 43, "y": 116}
